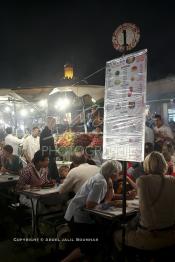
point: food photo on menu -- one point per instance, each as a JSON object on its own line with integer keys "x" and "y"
{"x": 130, "y": 59}
{"x": 130, "y": 91}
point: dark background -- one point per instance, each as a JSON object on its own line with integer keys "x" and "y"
{"x": 38, "y": 38}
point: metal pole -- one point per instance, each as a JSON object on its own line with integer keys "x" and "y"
{"x": 124, "y": 178}
{"x": 124, "y": 42}
{"x": 84, "y": 117}
{"x": 124, "y": 205}
{"x": 15, "y": 117}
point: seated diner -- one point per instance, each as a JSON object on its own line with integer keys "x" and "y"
{"x": 10, "y": 163}
{"x": 155, "y": 228}
{"x": 92, "y": 193}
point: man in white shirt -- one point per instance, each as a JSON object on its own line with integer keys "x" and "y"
{"x": 12, "y": 140}
{"x": 78, "y": 176}
{"x": 31, "y": 144}
{"x": 162, "y": 133}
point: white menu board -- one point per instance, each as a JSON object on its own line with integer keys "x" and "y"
{"x": 124, "y": 109}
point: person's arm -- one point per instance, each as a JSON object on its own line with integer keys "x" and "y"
{"x": 67, "y": 185}
{"x": 131, "y": 182}
{"x": 117, "y": 197}
{"x": 25, "y": 146}
{"x": 96, "y": 195}
{"x": 168, "y": 133}
{"x": 44, "y": 177}
{"x": 91, "y": 204}
{"x": 4, "y": 170}
{"x": 17, "y": 140}
{"x": 110, "y": 191}
{"x": 28, "y": 159}
{"x": 1, "y": 161}
{"x": 129, "y": 195}
{"x": 24, "y": 180}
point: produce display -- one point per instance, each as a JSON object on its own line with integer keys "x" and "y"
{"x": 69, "y": 139}
{"x": 97, "y": 140}
{"x": 82, "y": 140}
{"x": 66, "y": 139}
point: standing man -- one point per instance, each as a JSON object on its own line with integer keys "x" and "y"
{"x": 91, "y": 117}
{"x": 12, "y": 140}
{"x": 31, "y": 144}
{"x": 162, "y": 133}
{"x": 47, "y": 146}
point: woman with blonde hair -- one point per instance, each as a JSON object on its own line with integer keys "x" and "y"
{"x": 156, "y": 226}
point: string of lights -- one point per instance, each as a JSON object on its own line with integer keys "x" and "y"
{"x": 89, "y": 76}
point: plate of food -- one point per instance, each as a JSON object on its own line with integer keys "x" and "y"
{"x": 117, "y": 73}
{"x": 130, "y": 60}
{"x": 131, "y": 105}
{"x": 47, "y": 185}
{"x": 35, "y": 188}
{"x": 117, "y": 82}
{"x": 134, "y": 69}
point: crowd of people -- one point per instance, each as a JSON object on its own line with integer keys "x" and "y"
{"x": 88, "y": 186}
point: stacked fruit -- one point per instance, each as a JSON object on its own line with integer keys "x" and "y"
{"x": 97, "y": 141}
{"x": 82, "y": 140}
{"x": 66, "y": 139}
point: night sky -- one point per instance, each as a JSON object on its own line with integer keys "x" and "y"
{"x": 38, "y": 38}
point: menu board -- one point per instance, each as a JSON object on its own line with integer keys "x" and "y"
{"x": 124, "y": 108}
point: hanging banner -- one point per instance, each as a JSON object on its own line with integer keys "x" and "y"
{"x": 124, "y": 109}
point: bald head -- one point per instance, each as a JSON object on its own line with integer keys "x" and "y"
{"x": 51, "y": 122}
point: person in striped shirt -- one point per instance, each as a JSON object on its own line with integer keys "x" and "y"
{"x": 35, "y": 173}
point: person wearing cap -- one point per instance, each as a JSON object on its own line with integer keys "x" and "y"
{"x": 91, "y": 194}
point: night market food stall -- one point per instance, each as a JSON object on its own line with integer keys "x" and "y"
{"x": 77, "y": 109}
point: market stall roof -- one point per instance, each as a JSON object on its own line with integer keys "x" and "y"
{"x": 10, "y": 95}
{"x": 33, "y": 94}
{"x": 95, "y": 91}
{"x": 161, "y": 90}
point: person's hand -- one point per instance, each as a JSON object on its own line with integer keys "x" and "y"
{"x": 116, "y": 203}
{"x": 3, "y": 169}
{"x": 52, "y": 181}
{"x": 161, "y": 135}
{"x": 131, "y": 195}
{"x": 128, "y": 178}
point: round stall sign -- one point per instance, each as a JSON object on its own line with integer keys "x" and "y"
{"x": 132, "y": 37}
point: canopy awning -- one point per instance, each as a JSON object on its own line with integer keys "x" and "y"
{"x": 161, "y": 90}
{"x": 95, "y": 91}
